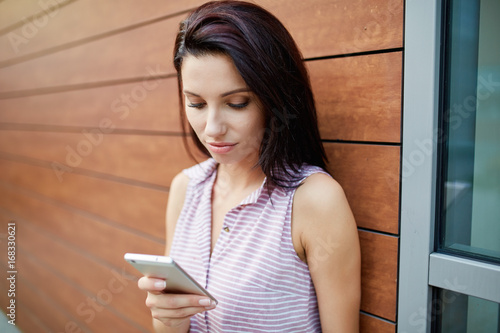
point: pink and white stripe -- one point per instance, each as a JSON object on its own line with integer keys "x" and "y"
{"x": 254, "y": 272}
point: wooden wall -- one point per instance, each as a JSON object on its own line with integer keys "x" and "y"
{"x": 89, "y": 142}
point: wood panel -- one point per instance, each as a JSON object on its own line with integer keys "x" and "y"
{"x": 94, "y": 60}
{"x": 25, "y": 318}
{"x": 83, "y": 19}
{"x": 364, "y": 25}
{"x": 40, "y": 308}
{"x": 325, "y": 27}
{"x": 29, "y": 323}
{"x": 370, "y": 324}
{"x": 104, "y": 60}
{"x": 369, "y": 176}
{"x": 131, "y": 54}
{"x": 146, "y": 158}
{"x": 31, "y": 297}
{"x": 148, "y": 105}
{"x": 379, "y": 254}
{"x": 102, "y": 319}
{"x": 365, "y": 171}
{"x": 359, "y": 98}
{"x": 126, "y": 205}
{"x": 15, "y": 11}
{"x": 75, "y": 227}
{"x": 379, "y": 271}
{"x": 115, "y": 282}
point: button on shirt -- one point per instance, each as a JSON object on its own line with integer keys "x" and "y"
{"x": 260, "y": 283}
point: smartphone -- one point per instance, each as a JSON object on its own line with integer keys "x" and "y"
{"x": 178, "y": 280}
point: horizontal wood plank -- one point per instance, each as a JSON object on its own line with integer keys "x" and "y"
{"x": 146, "y": 105}
{"x": 153, "y": 159}
{"x": 379, "y": 271}
{"x": 42, "y": 308}
{"x": 137, "y": 53}
{"x": 126, "y": 205}
{"x": 359, "y": 98}
{"x": 115, "y": 283}
{"x": 325, "y": 27}
{"x": 365, "y": 26}
{"x": 13, "y": 12}
{"x": 82, "y": 19}
{"x": 80, "y": 230}
{"x": 370, "y": 324}
{"x": 369, "y": 175}
{"x": 81, "y": 306}
{"x": 36, "y": 306}
{"x": 359, "y": 105}
{"x": 28, "y": 322}
{"x": 25, "y": 319}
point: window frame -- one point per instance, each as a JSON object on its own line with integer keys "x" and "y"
{"x": 420, "y": 267}
{"x": 418, "y": 176}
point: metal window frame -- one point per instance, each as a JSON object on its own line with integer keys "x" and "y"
{"x": 421, "y": 269}
{"x": 465, "y": 276}
{"x": 419, "y": 161}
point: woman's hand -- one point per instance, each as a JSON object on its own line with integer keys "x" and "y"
{"x": 173, "y": 310}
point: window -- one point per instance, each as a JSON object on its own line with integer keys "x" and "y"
{"x": 470, "y": 161}
{"x": 468, "y": 179}
{"x": 449, "y": 269}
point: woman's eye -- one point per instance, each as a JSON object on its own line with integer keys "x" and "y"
{"x": 196, "y": 105}
{"x": 238, "y": 105}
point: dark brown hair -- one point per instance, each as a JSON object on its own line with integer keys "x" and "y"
{"x": 271, "y": 64}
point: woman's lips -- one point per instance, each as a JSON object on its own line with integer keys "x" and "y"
{"x": 220, "y": 147}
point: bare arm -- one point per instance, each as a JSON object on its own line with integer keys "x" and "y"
{"x": 177, "y": 194}
{"x": 325, "y": 235}
{"x": 172, "y": 313}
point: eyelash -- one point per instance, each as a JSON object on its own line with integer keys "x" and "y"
{"x": 196, "y": 106}
{"x": 238, "y": 106}
{"x": 234, "y": 106}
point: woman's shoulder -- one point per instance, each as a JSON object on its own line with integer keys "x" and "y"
{"x": 319, "y": 201}
{"x": 177, "y": 195}
{"x": 179, "y": 183}
{"x": 320, "y": 211}
{"x": 201, "y": 171}
{"x": 319, "y": 190}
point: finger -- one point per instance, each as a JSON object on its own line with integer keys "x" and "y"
{"x": 151, "y": 284}
{"x": 169, "y": 322}
{"x": 175, "y": 317}
{"x": 179, "y": 301}
{"x": 176, "y": 314}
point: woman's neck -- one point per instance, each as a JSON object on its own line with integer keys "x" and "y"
{"x": 237, "y": 178}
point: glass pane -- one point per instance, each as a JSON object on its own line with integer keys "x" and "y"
{"x": 466, "y": 314}
{"x": 471, "y": 129}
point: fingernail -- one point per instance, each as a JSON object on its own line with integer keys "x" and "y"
{"x": 212, "y": 306}
{"x": 160, "y": 284}
{"x": 205, "y": 302}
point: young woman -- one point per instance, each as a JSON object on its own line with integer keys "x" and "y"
{"x": 260, "y": 224}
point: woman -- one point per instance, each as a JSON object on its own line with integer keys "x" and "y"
{"x": 260, "y": 224}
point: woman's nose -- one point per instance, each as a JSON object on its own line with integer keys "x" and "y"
{"x": 215, "y": 125}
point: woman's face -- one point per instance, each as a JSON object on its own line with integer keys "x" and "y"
{"x": 225, "y": 115}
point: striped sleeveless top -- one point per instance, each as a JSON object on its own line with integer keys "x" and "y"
{"x": 254, "y": 272}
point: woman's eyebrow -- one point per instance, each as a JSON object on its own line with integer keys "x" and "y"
{"x": 187, "y": 92}
{"x": 234, "y": 92}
